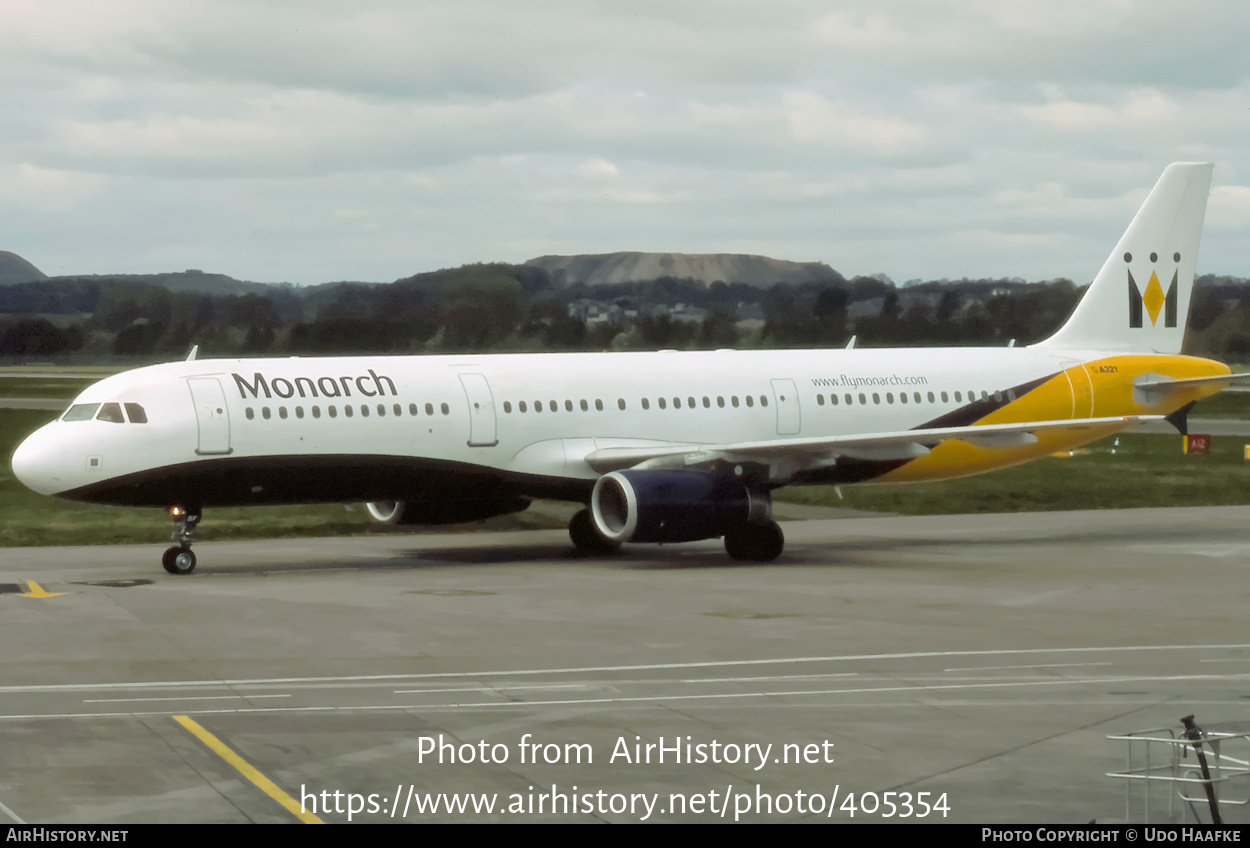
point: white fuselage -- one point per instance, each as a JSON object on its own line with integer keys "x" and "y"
{"x": 529, "y": 419}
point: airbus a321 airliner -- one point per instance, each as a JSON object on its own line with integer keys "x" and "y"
{"x": 661, "y": 447}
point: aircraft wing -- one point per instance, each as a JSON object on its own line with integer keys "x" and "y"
{"x": 902, "y": 444}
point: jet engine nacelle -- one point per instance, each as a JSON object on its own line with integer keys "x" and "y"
{"x": 443, "y": 512}
{"x": 672, "y": 506}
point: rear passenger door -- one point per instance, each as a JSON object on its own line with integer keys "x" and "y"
{"x": 482, "y": 423}
{"x": 786, "y": 398}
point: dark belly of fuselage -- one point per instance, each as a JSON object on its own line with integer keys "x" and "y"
{"x": 270, "y": 480}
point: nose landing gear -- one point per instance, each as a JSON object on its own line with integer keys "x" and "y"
{"x": 179, "y": 559}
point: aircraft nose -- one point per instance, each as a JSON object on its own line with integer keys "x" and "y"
{"x": 37, "y": 462}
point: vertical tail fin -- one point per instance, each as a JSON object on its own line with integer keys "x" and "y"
{"x": 1139, "y": 302}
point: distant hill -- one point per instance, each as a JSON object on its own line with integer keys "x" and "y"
{"x": 14, "y": 269}
{"x": 606, "y": 268}
{"x": 181, "y": 281}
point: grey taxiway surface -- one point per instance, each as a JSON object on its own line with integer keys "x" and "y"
{"x": 980, "y": 659}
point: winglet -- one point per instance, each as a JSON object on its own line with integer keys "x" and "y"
{"x": 194, "y": 350}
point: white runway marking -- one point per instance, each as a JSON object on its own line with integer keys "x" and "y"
{"x": 1214, "y": 550}
{"x": 493, "y": 688}
{"x": 1017, "y": 667}
{"x": 668, "y": 698}
{"x": 12, "y": 815}
{"x": 180, "y": 700}
{"x": 435, "y": 675}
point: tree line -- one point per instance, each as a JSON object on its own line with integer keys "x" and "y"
{"x": 500, "y": 308}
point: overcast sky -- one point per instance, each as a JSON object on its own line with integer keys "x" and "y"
{"x": 311, "y": 141}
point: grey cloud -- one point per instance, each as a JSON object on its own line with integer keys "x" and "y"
{"x": 316, "y": 140}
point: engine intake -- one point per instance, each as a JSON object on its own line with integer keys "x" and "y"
{"x": 672, "y": 506}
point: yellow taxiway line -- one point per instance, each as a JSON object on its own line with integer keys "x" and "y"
{"x": 247, "y": 770}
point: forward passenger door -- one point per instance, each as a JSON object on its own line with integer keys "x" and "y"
{"x": 211, "y": 415}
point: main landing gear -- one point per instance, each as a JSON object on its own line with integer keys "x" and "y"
{"x": 179, "y": 559}
{"x": 755, "y": 542}
{"x": 586, "y": 539}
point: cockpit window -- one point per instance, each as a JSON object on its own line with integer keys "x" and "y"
{"x": 80, "y": 412}
{"x": 136, "y": 414}
{"x": 111, "y": 412}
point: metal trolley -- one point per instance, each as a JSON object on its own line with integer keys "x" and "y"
{"x": 1192, "y": 776}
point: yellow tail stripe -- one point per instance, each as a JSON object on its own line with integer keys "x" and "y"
{"x": 247, "y": 770}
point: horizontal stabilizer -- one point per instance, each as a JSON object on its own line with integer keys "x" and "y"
{"x": 1149, "y": 389}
